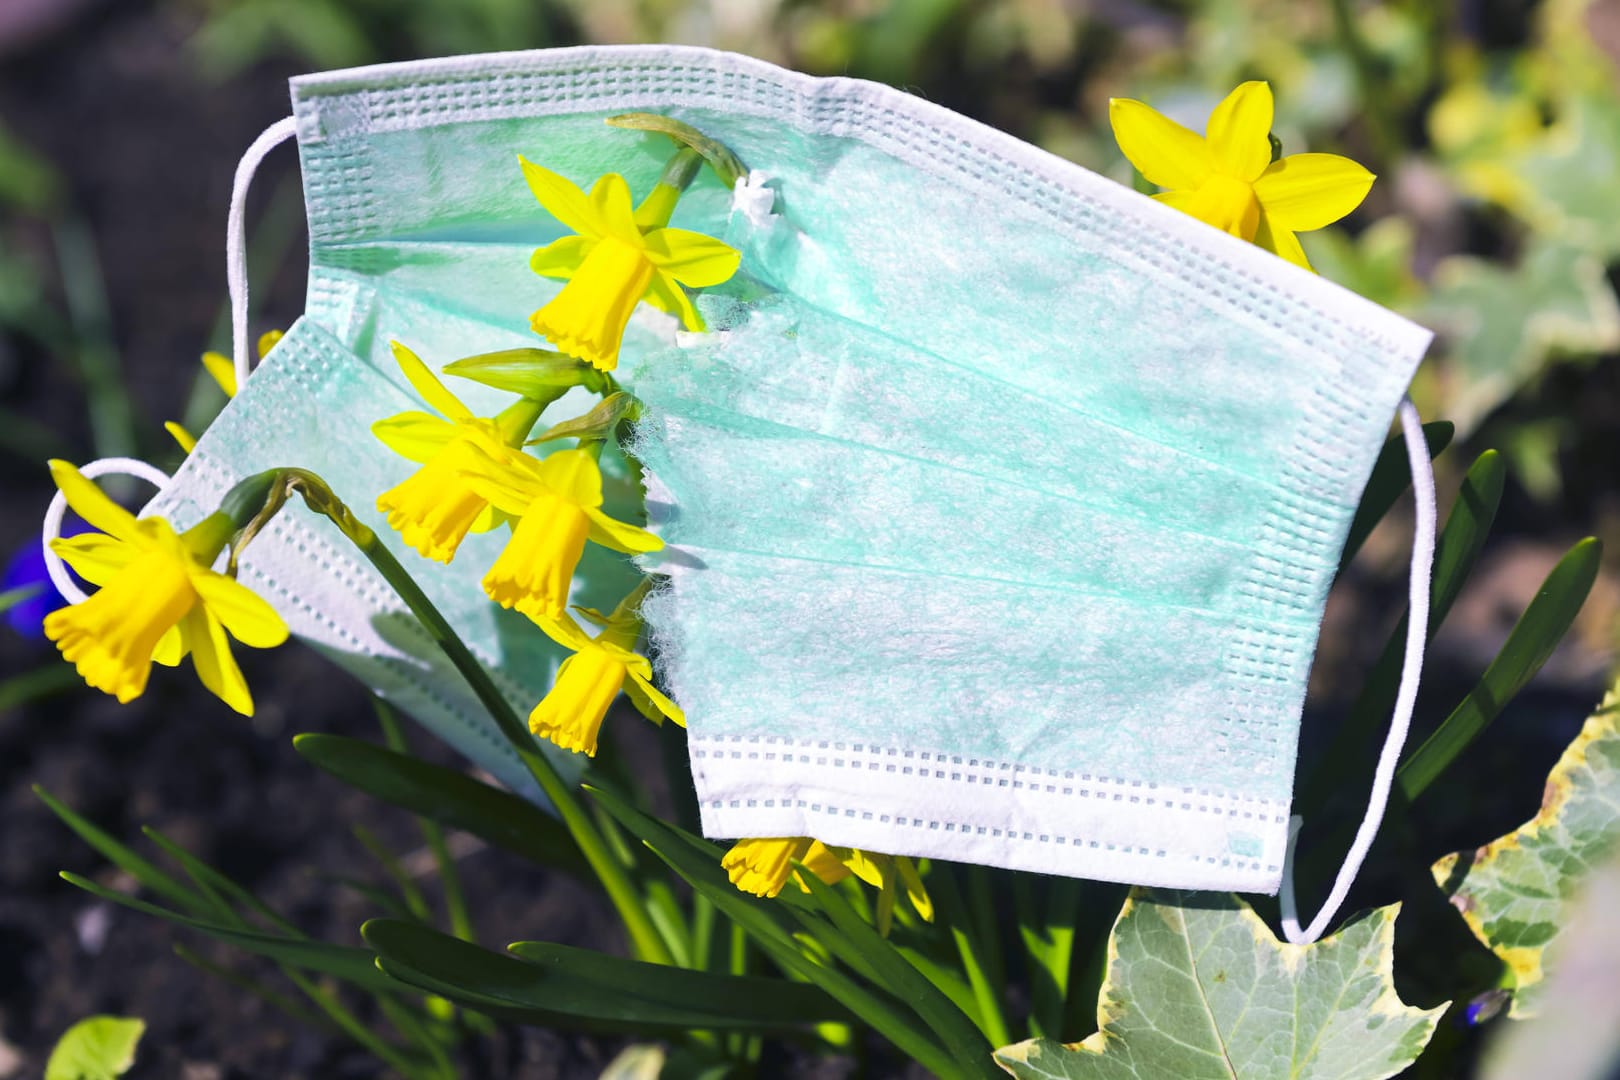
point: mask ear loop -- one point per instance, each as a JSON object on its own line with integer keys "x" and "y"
{"x": 236, "y": 241}
{"x": 54, "y": 513}
{"x": 1417, "y": 629}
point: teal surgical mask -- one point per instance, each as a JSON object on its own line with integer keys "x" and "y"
{"x": 1002, "y": 502}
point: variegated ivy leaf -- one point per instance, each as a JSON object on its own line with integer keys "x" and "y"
{"x": 1500, "y": 325}
{"x": 1516, "y": 892}
{"x": 1198, "y": 988}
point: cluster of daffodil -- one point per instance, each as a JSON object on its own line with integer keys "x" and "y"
{"x": 476, "y": 476}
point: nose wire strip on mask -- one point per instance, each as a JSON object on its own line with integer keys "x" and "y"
{"x": 236, "y": 241}
{"x": 1416, "y": 632}
{"x": 54, "y": 513}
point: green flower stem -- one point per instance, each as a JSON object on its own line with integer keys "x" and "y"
{"x": 644, "y": 937}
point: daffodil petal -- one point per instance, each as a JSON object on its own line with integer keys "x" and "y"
{"x": 91, "y": 503}
{"x": 915, "y": 891}
{"x": 573, "y": 475}
{"x": 1280, "y": 241}
{"x": 96, "y": 557}
{"x": 247, "y": 615}
{"x": 428, "y": 385}
{"x": 664, "y": 294}
{"x": 489, "y": 519}
{"x": 692, "y": 258}
{"x": 1311, "y": 191}
{"x": 415, "y": 436}
{"x": 562, "y": 199}
{"x": 564, "y": 631}
{"x": 186, "y": 440}
{"x": 1239, "y": 131}
{"x": 508, "y": 488}
{"x": 561, "y": 257}
{"x": 610, "y": 201}
{"x": 864, "y": 865}
{"x": 171, "y": 647}
{"x": 219, "y": 366}
{"x": 1161, "y": 149}
{"x": 619, "y": 535}
{"x": 216, "y": 667}
{"x": 655, "y": 698}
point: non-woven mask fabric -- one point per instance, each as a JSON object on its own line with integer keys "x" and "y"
{"x": 1002, "y": 501}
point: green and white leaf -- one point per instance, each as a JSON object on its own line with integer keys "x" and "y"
{"x": 98, "y": 1048}
{"x": 1198, "y": 988}
{"x": 1516, "y": 892}
{"x": 1500, "y": 326}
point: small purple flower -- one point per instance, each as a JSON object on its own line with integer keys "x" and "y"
{"x": 27, "y": 569}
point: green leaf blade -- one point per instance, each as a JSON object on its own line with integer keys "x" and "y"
{"x": 448, "y": 797}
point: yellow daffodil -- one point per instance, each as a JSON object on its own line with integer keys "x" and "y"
{"x": 557, "y": 502}
{"x": 617, "y": 258}
{"x": 158, "y": 599}
{"x": 220, "y": 369}
{"x": 435, "y": 508}
{"x": 571, "y": 714}
{"x": 1226, "y": 177}
{"x": 763, "y": 867}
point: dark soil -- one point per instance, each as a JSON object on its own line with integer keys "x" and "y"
{"x": 147, "y": 151}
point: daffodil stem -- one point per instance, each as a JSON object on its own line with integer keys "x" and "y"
{"x": 1381, "y": 127}
{"x": 644, "y": 937}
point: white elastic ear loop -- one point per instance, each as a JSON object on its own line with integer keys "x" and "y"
{"x": 236, "y": 242}
{"x": 1417, "y": 628}
{"x": 54, "y": 513}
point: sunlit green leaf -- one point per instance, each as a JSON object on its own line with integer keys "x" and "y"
{"x": 1198, "y": 988}
{"x": 100, "y": 1048}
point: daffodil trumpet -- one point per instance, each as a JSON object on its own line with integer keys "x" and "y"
{"x": 589, "y": 680}
{"x": 556, "y": 504}
{"x": 617, "y": 257}
{"x": 158, "y": 599}
{"x": 1227, "y": 177}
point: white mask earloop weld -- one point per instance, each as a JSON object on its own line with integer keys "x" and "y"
{"x": 236, "y": 241}
{"x": 1417, "y": 629}
{"x": 54, "y": 513}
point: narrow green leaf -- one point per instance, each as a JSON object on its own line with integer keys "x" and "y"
{"x": 125, "y": 859}
{"x": 956, "y": 1030}
{"x": 1528, "y": 646}
{"x": 346, "y": 962}
{"x": 548, "y": 983}
{"x": 766, "y": 924}
{"x": 448, "y": 797}
{"x": 99, "y": 1048}
{"x": 1456, "y": 551}
{"x": 1390, "y": 478}
{"x": 217, "y": 885}
{"x": 43, "y": 682}
{"x": 530, "y": 373}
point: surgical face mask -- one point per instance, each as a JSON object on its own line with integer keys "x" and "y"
{"x": 1001, "y": 501}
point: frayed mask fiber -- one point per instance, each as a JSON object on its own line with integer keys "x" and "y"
{"x": 1002, "y": 502}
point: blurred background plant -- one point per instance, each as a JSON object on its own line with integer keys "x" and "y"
{"x": 1494, "y": 126}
